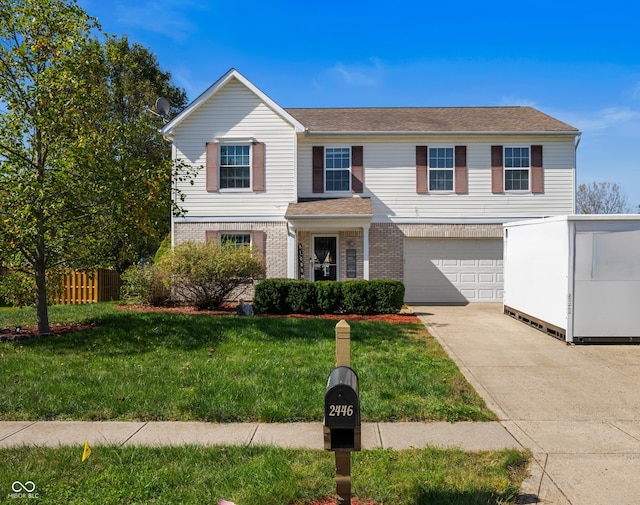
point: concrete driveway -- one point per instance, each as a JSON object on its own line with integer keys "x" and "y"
{"x": 577, "y": 408}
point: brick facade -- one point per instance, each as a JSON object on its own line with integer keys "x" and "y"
{"x": 275, "y": 236}
{"x": 386, "y": 244}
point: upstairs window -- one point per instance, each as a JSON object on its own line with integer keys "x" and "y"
{"x": 516, "y": 168}
{"x": 235, "y": 166}
{"x": 337, "y": 169}
{"x": 441, "y": 169}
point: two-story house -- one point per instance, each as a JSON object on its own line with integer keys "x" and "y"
{"x": 413, "y": 194}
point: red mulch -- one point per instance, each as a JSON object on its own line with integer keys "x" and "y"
{"x": 9, "y": 334}
{"x": 22, "y": 333}
{"x": 328, "y": 500}
{"x": 231, "y": 311}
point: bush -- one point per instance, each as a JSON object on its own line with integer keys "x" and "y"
{"x": 18, "y": 288}
{"x": 270, "y": 296}
{"x": 388, "y": 296}
{"x": 147, "y": 284}
{"x": 302, "y": 297}
{"x": 329, "y": 296}
{"x": 356, "y": 297}
{"x": 287, "y": 296}
{"x": 205, "y": 274}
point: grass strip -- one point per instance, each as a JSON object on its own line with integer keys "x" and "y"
{"x": 260, "y": 475}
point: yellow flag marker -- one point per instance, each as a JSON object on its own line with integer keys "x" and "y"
{"x": 87, "y": 451}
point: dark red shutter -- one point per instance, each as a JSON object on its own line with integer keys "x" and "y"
{"x": 357, "y": 169}
{"x": 211, "y": 151}
{"x": 460, "y": 176}
{"x": 318, "y": 169}
{"x": 257, "y": 167}
{"x": 211, "y": 235}
{"x": 422, "y": 182}
{"x": 497, "y": 170}
{"x": 257, "y": 241}
{"x": 537, "y": 172}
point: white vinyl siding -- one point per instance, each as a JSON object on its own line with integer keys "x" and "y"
{"x": 236, "y": 115}
{"x": 390, "y": 174}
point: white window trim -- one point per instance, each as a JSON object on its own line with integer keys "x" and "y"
{"x": 452, "y": 170}
{"x": 341, "y": 191}
{"x": 504, "y": 170}
{"x": 237, "y": 142}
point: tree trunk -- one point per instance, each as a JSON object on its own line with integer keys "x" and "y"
{"x": 42, "y": 310}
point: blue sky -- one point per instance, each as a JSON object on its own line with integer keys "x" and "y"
{"x": 578, "y": 62}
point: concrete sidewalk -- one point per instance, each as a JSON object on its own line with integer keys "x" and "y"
{"x": 577, "y": 408}
{"x": 465, "y": 435}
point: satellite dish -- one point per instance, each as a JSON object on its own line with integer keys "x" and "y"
{"x": 162, "y": 106}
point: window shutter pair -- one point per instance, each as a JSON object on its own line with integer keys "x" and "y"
{"x": 357, "y": 169}
{"x": 212, "y": 150}
{"x": 459, "y": 174}
{"x": 497, "y": 169}
{"x": 257, "y": 239}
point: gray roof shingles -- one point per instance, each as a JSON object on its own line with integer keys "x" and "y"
{"x": 430, "y": 119}
{"x": 355, "y": 207}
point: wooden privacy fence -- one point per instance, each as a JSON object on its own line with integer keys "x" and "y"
{"x": 101, "y": 285}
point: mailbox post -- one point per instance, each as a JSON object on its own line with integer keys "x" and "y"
{"x": 342, "y": 430}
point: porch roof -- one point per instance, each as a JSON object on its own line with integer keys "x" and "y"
{"x": 333, "y": 208}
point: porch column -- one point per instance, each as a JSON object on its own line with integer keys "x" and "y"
{"x": 365, "y": 252}
{"x": 291, "y": 251}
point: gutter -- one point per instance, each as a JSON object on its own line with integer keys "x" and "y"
{"x": 440, "y": 132}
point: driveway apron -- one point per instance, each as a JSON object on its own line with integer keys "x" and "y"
{"x": 577, "y": 408}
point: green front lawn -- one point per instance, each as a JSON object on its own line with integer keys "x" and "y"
{"x": 158, "y": 366}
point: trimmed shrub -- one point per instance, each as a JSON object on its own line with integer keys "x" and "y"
{"x": 356, "y": 297}
{"x": 387, "y": 296}
{"x": 329, "y": 296}
{"x": 288, "y": 296}
{"x": 270, "y": 296}
{"x": 302, "y": 297}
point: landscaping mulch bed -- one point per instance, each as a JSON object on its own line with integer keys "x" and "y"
{"x": 402, "y": 317}
{"x": 25, "y": 333}
{"x": 328, "y": 500}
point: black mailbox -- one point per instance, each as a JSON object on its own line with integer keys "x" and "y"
{"x": 342, "y": 411}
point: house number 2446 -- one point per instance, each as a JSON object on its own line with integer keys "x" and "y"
{"x": 340, "y": 410}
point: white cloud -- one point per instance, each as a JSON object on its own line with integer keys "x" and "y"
{"x": 608, "y": 119}
{"x": 168, "y": 18}
{"x": 358, "y": 75}
{"x": 513, "y": 101}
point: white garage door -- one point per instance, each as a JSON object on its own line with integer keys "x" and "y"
{"x": 453, "y": 271}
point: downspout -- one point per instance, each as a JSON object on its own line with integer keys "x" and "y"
{"x": 575, "y": 171}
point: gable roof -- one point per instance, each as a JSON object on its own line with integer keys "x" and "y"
{"x": 218, "y": 85}
{"x": 430, "y": 120}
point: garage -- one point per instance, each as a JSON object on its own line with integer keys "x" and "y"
{"x": 453, "y": 271}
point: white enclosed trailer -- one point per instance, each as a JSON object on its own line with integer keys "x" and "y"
{"x": 575, "y": 277}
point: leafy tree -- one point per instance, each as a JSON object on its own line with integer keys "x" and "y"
{"x": 83, "y": 171}
{"x": 601, "y": 198}
{"x": 139, "y": 158}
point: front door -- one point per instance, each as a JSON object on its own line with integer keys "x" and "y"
{"x": 325, "y": 259}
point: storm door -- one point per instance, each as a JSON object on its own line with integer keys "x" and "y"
{"x": 325, "y": 258}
